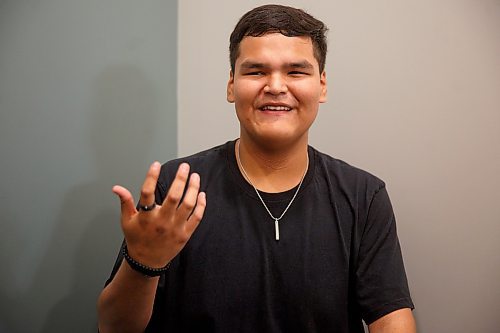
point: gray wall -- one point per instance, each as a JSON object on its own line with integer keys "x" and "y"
{"x": 414, "y": 97}
{"x": 87, "y": 100}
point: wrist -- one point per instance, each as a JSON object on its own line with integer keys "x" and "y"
{"x": 141, "y": 268}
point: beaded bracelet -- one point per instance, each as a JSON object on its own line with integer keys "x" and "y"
{"x": 143, "y": 269}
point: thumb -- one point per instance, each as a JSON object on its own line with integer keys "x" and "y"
{"x": 126, "y": 200}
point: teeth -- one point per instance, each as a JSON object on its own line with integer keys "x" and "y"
{"x": 276, "y": 108}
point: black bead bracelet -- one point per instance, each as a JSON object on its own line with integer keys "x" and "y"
{"x": 143, "y": 269}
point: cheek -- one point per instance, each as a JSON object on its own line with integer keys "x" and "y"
{"x": 247, "y": 90}
{"x": 306, "y": 94}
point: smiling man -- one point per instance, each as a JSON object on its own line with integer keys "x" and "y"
{"x": 263, "y": 233}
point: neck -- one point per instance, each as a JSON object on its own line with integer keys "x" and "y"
{"x": 272, "y": 171}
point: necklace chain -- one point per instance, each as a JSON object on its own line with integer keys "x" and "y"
{"x": 276, "y": 219}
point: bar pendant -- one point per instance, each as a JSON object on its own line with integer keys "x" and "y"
{"x": 277, "y": 229}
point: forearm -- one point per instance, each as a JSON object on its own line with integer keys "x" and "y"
{"x": 126, "y": 304}
{"x": 399, "y": 321}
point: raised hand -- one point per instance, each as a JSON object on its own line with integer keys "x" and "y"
{"x": 154, "y": 237}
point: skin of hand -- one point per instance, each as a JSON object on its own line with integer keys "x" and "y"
{"x": 155, "y": 237}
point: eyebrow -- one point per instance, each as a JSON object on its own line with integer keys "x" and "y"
{"x": 258, "y": 65}
{"x": 301, "y": 64}
{"x": 252, "y": 65}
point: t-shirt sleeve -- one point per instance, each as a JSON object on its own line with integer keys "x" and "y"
{"x": 381, "y": 284}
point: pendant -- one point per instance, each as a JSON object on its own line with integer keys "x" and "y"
{"x": 277, "y": 229}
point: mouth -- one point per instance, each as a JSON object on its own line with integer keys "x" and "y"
{"x": 275, "y": 108}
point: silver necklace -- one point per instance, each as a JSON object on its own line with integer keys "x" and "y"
{"x": 276, "y": 219}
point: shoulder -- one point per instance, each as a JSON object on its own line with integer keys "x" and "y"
{"x": 202, "y": 162}
{"x": 345, "y": 173}
{"x": 214, "y": 154}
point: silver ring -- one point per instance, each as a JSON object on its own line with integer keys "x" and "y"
{"x": 146, "y": 208}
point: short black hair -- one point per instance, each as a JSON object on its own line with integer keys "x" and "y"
{"x": 288, "y": 21}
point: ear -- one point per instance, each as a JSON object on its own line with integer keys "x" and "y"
{"x": 324, "y": 88}
{"x": 230, "y": 88}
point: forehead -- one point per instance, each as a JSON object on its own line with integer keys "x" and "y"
{"x": 275, "y": 48}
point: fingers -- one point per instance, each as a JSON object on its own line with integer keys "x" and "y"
{"x": 126, "y": 200}
{"x": 197, "y": 214}
{"x": 148, "y": 187}
{"x": 176, "y": 190}
{"x": 189, "y": 201}
{"x": 189, "y": 205}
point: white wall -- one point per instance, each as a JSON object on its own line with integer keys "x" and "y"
{"x": 414, "y": 97}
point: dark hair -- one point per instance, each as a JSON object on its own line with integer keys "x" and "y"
{"x": 289, "y": 21}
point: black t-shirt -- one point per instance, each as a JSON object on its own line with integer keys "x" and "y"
{"x": 338, "y": 259}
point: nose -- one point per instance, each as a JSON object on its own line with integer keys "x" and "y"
{"x": 276, "y": 84}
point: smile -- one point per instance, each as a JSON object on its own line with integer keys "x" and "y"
{"x": 275, "y": 108}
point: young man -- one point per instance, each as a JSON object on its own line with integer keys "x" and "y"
{"x": 264, "y": 233}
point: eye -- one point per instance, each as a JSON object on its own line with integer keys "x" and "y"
{"x": 297, "y": 73}
{"x": 255, "y": 73}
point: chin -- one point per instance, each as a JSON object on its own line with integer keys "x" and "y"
{"x": 277, "y": 139}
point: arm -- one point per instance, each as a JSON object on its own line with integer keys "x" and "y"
{"x": 399, "y": 321}
{"x": 126, "y": 304}
{"x": 153, "y": 238}
{"x": 381, "y": 284}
